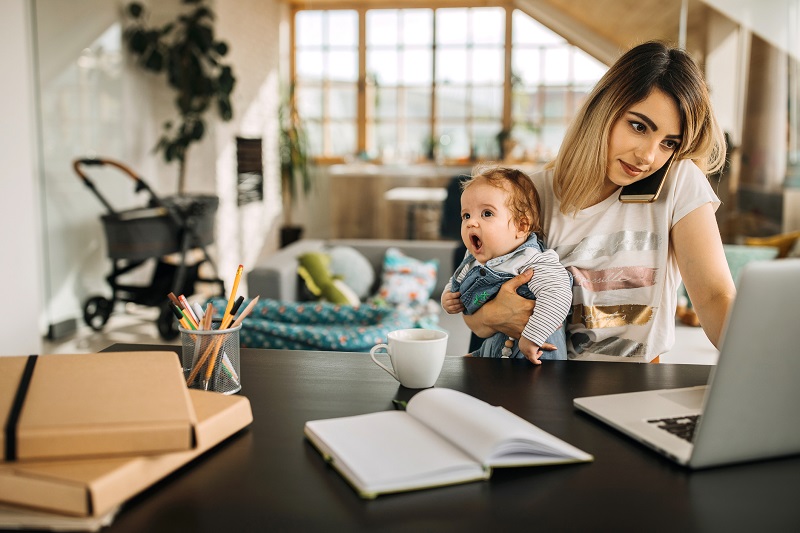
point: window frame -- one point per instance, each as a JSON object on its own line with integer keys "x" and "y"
{"x": 362, "y": 124}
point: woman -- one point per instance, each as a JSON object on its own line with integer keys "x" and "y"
{"x": 626, "y": 259}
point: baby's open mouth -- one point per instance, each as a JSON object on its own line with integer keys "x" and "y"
{"x": 476, "y": 242}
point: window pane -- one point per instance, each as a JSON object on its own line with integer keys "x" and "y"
{"x": 484, "y": 138}
{"x": 451, "y": 26}
{"x": 417, "y": 27}
{"x": 556, "y": 65}
{"x": 526, "y": 30}
{"x": 487, "y": 102}
{"x": 308, "y": 28}
{"x": 343, "y": 102}
{"x": 314, "y": 136}
{"x": 587, "y": 69}
{"x": 343, "y": 65}
{"x": 386, "y": 138}
{"x": 342, "y": 28}
{"x": 454, "y": 141}
{"x": 451, "y": 102}
{"x": 525, "y": 106}
{"x": 417, "y": 103}
{"x": 451, "y": 66}
{"x": 382, "y": 27}
{"x": 417, "y": 135}
{"x": 386, "y": 103}
{"x": 382, "y": 65}
{"x": 417, "y": 67}
{"x": 309, "y": 101}
{"x": 310, "y": 65}
{"x": 552, "y": 134}
{"x": 555, "y": 103}
{"x": 526, "y": 65}
{"x": 488, "y": 65}
{"x": 488, "y": 25}
{"x": 343, "y": 137}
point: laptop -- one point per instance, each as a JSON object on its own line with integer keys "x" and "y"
{"x": 748, "y": 409}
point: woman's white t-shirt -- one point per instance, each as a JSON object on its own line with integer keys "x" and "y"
{"x": 625, "y": 277}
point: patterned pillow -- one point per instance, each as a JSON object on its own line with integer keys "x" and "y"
{"x": 406, "y": 280}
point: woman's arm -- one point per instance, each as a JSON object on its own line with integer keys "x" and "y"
{"x": 701, "y": 259}
{"x": 507, "y": 312}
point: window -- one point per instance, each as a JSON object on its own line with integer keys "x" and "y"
{"x": 550, "y": 79}
{"x": 435, "y": 82}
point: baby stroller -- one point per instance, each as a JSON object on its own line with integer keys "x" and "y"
{"x": 163, "y": 227}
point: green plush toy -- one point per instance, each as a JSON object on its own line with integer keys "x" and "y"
{"x": 314, "y": 267}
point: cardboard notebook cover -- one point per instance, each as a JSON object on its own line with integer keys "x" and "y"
{"x": 65, "y": 406}
{"x": 93, "y": 487}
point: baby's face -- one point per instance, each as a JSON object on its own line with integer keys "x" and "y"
{"x": 487, "y": 227}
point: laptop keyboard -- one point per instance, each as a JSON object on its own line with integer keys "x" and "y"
{"x": 682, "y": 426}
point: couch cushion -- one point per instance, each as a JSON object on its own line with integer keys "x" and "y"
{"x": 406, "y": 280}
{"x": 353, "y": 268}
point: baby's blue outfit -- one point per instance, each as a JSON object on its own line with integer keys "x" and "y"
{"x": 481, "y": 284}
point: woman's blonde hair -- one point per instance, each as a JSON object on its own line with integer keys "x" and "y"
{"x": 523, "y": 200}
{"x": 580, "y": 166}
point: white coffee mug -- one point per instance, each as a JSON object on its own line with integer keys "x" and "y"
{"x": 416, "y": 356}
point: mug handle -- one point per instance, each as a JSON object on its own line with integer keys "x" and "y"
{"x": 372, "y": 355}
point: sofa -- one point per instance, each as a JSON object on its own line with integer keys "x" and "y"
{"x": 275, "y": 275}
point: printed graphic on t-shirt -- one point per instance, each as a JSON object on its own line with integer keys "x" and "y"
{"x": 611, "y": 316}
{"x": 611, "y": 346}
{"x": 612, "y": 279}
{"x": 594, "y": 246}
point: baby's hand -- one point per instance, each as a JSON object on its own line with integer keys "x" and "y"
{"x": 531, "y": 351}
{"x": 451, "y": 303}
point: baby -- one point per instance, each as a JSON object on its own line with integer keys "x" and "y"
{"x": 501, "y": 229}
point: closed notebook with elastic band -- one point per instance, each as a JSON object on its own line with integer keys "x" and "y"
{"x": 87, "y": 405}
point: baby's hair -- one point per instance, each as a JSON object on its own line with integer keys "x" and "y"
{"x": 523, "y": 199}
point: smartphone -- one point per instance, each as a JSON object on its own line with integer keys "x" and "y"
{"x": 646, "y": 190}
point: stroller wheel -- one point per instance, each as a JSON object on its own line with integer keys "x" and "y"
{"x": 96, "y": 312}
{"x": 167, "y": 325}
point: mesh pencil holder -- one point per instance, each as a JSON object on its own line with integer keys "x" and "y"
{"x": 211, "y": 359}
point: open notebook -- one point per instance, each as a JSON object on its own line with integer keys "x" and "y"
{"x": 748, "y": 409}
{"x": 444, "y": 437}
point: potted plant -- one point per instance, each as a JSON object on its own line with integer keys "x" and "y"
{"x": 295, "y": 175}
{"x": 190, "y": 56}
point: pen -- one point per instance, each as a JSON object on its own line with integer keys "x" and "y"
{"x": 237, "y": 305}
{"x": 177, "y": 312}
{"x": 187, "y": 308}
{"x": 188, "y": 318}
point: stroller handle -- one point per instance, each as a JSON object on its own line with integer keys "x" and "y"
{"x": 96, "y": 161}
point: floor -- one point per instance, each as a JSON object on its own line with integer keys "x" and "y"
{"x": 127, "y": 324}
{"x": 136, "y": 324}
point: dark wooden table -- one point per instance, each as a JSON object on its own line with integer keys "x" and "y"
{"x": 268, "y": 478}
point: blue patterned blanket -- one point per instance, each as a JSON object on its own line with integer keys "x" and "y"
{"x": 325, "y": 326}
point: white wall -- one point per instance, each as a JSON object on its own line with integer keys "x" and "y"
{"x": 775, "y": 21}
{"x": 20, "y": 259}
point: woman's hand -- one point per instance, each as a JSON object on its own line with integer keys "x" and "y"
{"x": 508, "y": 312}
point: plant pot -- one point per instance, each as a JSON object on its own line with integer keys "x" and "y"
{"x": 290, "y": 234}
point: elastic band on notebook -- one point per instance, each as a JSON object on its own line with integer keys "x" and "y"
{"x": 16, "y": 409}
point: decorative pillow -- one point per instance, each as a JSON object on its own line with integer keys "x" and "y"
{"x": 314, "y": 268}
{"x": 353, "y": 268}
{"x": 406, "y": 280}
